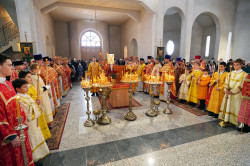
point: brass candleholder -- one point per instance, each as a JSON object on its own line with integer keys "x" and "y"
{"x": 21, "y": 127}
{"x": 130, "y": 116}
{"x": 89, "y": 122}
{"x": 153, "y": 110}
{"x": 168, "y": 110}
{"x": 104, "y": 91}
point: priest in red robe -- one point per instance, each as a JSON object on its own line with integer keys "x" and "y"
{"x": 10, "y": 149}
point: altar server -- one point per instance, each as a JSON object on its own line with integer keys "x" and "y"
{"x": 193, "y": 78}
{"x": 232, "y": 100}
{"x": 203, "y": 88}
{"x": 244, "y": 114}
{"x": 183, "y": 92}
{"x": 11, "y": 149}
{"x": 217, "y": 82}
{"x": 25, "y": 75}
{"x": 39, "y": 85}
{"x": 37, "y": 142}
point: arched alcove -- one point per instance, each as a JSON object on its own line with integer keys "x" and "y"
{"x": 91, "y": 44}
{"x": 205, "y": 36}
{"x": 133, "y": 48}
{"x": 172, "y": 31}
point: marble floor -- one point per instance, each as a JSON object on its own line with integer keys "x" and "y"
{"x": 181, "y": 138}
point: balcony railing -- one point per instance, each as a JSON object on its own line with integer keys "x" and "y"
{"x": 8, "y": 32}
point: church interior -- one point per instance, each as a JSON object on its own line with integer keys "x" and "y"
{"x": 124, "y": 82}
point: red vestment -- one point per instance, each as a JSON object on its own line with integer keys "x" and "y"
{"x": 14, "y": 75}
{"x": 10, "y": 156}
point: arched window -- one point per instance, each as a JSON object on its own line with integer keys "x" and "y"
{"x": 170, "y": 47}
{"x": 228, "y": 46}
{"x": 90, "y": 39}
{"x": 207, "y": 46}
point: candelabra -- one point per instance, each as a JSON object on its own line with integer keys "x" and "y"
{"x": 130, "y": 115}
{"x": 89, "y": 122}
{"x": 153, "y": 110}
{"x": 168, "y": 110}
{"x": 104, "y": 91}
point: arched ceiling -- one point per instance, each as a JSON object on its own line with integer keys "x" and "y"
{"x": 205, "y": 20}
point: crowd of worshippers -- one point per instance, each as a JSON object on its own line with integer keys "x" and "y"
{"x": 36, "y": 90}
{"x": 220, "y": 88}
{"x": 79, "y": 67}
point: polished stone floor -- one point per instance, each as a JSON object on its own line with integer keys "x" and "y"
{"x": 181, "y": 138}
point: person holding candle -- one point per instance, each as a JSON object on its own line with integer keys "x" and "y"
{"x": 42, "y": 93}
{"x": 140, "y": 73}
{"x": 94, "y": 71}
{"x": 167, "y": 74}
{"x": 217, "y": 82}
{"x": 33, "y": 113}
{"x": 203, "y": 88}
{"x": 155, "y": 73}
{"x": 183, "y": 92}
{"x": 194, "y": 78}
{"x": 232, "y": 100}
{"x": 11, "y": 150}
{"x": 26, "y": 75}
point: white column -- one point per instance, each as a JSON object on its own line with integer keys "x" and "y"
{"x": 26, "y": 22}
{"x": 188, "y": 29}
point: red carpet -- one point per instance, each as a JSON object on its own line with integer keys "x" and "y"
{"x": 58, "y": 126}
{"x": 193, "y": 110}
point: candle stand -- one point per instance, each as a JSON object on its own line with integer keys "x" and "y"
{"x": 153, "y": 110}
{"x": 89, "y": 122}
{"x": 168, "y": 110}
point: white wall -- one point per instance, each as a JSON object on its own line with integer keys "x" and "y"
{"x": 208, "y": 31}
{"x": 78, "y": 27}
{"x": 172, "y": 31}
{"x": 38, "y": 26}
{"x": 196, "y": 41}
{"x": 223, "y": 11}
{"x": 142, "y": 32}
{"x": 241, "y": 33}
{"x": 62, "y": 39}
{"x": 115, "y": 40}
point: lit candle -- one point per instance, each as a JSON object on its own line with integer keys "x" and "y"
{"x": 46, "y": 72}
{"x": 17, "y": 106}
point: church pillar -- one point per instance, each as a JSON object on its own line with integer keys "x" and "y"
{"x": 26, "y": 21}
{"x": 188, "y": 29}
